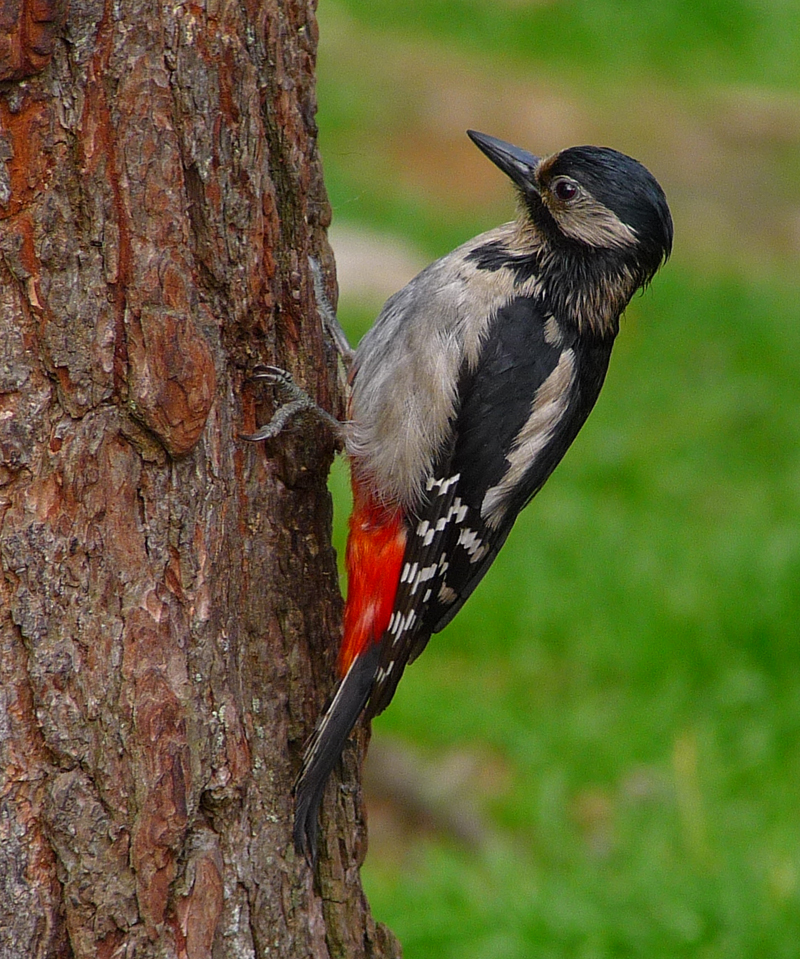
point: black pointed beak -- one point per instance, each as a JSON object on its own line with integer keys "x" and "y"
{"x": 513, "y": 161}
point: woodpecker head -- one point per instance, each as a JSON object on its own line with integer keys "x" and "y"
{"x": 592, "y": 204}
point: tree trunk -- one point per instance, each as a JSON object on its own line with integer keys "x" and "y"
{"x": 170, "y": 609}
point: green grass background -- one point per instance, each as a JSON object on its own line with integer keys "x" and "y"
{"x": 626, "y": 680}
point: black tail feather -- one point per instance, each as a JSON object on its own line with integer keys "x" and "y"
{"x": 325, "y": 747}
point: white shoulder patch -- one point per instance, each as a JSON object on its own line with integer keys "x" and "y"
{"x": 549, "y": 406}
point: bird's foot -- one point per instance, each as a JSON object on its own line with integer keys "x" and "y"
{"x": 297, "y": 402}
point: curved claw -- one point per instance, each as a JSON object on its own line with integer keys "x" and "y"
{"x": 299, "y": 402}
{"x": 272, "y": 374}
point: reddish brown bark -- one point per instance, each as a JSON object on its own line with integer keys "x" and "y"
{"x": 170, "y": 609}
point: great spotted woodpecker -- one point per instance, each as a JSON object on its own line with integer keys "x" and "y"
{"x": 465, "y": 395}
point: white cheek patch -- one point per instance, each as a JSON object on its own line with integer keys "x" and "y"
{"x": 592, "y": 223}
{"x": 589, "y": 221}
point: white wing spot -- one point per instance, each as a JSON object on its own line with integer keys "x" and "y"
{"x": 447, "y": 595}
{"x": 423, "y": 576}
{"x": 384, "y": 673}
{"x": 402, "y": 624}
{"x": 442, "y": 485}
{"x": 468, "y": 538}
{"x": 473, "y": 544}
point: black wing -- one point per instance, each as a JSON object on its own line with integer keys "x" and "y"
{"x": 522, "y": 406}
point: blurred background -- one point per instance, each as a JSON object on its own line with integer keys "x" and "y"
{"x": 601, "y": 756}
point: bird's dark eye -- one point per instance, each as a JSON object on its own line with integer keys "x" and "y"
{"x": 565, "y": 190}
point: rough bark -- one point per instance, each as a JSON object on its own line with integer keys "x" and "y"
{"x": 170, "y": 607}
